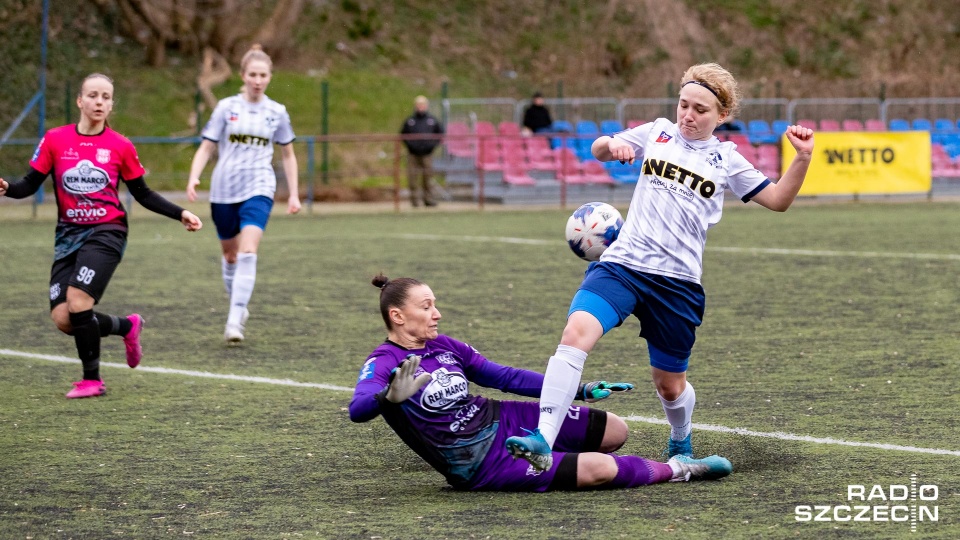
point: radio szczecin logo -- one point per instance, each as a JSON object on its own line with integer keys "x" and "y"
{"x": 897, "y": 503}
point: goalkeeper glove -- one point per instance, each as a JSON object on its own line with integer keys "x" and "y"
{"x": 403, "y": 385}
{"x": 592, "y": 392}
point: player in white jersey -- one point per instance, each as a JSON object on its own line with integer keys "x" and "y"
{"x": 243, "y": 129}
{"x": 653, "y": 268}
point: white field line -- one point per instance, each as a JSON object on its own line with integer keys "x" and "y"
{"x": 747, "y": 250}
{"x": 158, "y": 239}
{"x": 642, "y": 419}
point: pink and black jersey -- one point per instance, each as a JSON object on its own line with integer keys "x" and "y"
{"x": 87, "y": 170}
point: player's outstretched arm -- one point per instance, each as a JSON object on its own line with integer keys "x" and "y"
{"x": 607, "y": 148}
{"x": 291, "y": 171}
{"x": 778, "y": 197}
{"x": 200, "y": 158}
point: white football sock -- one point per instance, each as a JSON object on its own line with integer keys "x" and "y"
{"x": 560, "y": 385}
{"x": 243, "y": 282}
{"x": 228, "y": 270}
{"x": 680, "y": 412}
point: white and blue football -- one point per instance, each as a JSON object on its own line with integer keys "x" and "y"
{"x": 592, "y": 228}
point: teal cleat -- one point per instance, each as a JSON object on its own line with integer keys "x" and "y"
{"x": 680, "y": 448}
{"x": 709, "y": 468}
{"x": 533, "y": 448}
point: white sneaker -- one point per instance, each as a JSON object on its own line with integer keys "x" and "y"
{"x": 233, "y": 334}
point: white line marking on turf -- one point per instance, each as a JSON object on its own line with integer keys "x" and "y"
{"x": 803, "y": 438}
{"x": 185, "y": 372}
{"x": 746, "y": 250}
{"x": 647, "y": 420}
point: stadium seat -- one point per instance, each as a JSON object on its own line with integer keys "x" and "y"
{"x": 921, "y": 124}
{"x": 459, "y": 141}
{"x": 737, "y": 125}
{"x": 483, "y": 127}
{"x": 759, "y": 132}
{"x": 587, "y": 127}
{"x": 561, "y": 126}
{"x": 899, "y": 124}
{"x": 569, "y": 169}
{"x": 829, "y": 124}
{"x": 741, "y": 140}
{"x": 623, "y": 173}
{"x": 807, "y": 123}
{"x": 768, "y": 157}
{"x": 851, "y": 125}
{"x": 779, "y": 127}
{"x": 515, "y": 175}
{"x": 609, "y": 127}
{"x": 508, "y": 129}
{"x": 595, "y": 173}
{"x": 489, "y": 155}
{"x": 874, "y": 124}
{"x": 634, "y": 123}
{"x": 944, "y": 131}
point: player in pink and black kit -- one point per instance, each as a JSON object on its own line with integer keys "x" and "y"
{"x": 419, "y": 381}
{"x": 88, "y": 160}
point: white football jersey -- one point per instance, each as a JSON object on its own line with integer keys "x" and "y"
{"x": 245, "y": 133}
{"x": 679, "y": 195}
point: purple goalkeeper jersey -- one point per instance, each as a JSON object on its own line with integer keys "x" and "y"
{"x": 447, "y": 426}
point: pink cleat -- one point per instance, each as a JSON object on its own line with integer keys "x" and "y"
{"x": 132, "y": 341}
{"x": 87, "y": 388}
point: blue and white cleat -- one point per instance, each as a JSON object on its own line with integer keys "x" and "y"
{"x": 533, "y": 448}
{"x": 680, "y": 448}
{"x": 686, "y": 468}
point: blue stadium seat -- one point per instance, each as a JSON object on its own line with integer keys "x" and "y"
{"x": 899, "y": 124}
{"x": 779, "y": 127}
{"x": 921, "y": 124}
{"x": 623, "y": 173}
{"x": 760, "y": 133}
{"x": 943, "y": 130}
{"x": 737, "y": 125}
{"x": 587, "y": 127}
{"x": 609, "y": 127}
{"x": 564, "y": 127}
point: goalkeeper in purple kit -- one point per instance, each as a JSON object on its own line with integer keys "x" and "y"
{"x": 419, "y": 381}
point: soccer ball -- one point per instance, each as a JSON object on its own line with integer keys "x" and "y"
{"x": 592, "y": 228}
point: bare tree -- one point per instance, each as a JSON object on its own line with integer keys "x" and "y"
{"x": 193, "y": 26}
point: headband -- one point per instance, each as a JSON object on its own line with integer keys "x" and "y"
{"x": 698, "y": 83}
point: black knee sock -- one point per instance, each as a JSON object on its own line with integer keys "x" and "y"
{"x": 111, "y": 325}
{"x": 86, "y": 333}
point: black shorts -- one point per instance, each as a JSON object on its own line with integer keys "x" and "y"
{"x": 88, "y": 268}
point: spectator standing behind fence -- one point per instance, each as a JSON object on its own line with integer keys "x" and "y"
{"x": 88, "y": 161}
{"x": 243, "y": 129}
{"x": 419, "y": 162}
{"x": 536, "y": 117}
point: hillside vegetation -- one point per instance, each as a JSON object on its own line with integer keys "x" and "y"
{"x": 377, "y": 55}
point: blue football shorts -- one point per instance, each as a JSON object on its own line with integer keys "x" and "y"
{"x": 231, "y": 217}
{"x": 669, "y": 309}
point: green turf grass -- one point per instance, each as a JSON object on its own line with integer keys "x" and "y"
{"x": 841, "y": 343}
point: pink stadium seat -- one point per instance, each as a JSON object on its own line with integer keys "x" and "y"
{"x": 514, "y": 174}
{"x": 851, "y": 125}
{"x": 768, "y": 157}
{"x": 634, "y": 123}
{"x": 740, "y": 139}
{"x": 874, "y": 124}
{"x": 595, "y": 172}
{"x": 569, "y": 169}
{"x": 459, "y": 140}
{"x": 508, "y": 129}
{"x": 749, "y": 153}
{"x": 489, "y": 156}
{"x": 807, "y": 123}
{"x": 483, "y": 127}
{"x": 829, "y": 124}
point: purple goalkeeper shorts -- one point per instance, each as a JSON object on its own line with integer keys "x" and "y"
{"x": 582, "y": 431}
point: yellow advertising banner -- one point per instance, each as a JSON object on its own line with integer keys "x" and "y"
{"x": 866, "y": 163}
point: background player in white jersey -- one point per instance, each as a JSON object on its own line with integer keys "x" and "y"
{"x": 653, "y": 269}
{"x": 88, "y": 160}
{"x": 243, "y": 128}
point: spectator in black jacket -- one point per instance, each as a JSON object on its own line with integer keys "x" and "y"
{"x": 536, "y": 118}
{"x": 419, "y": 162}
